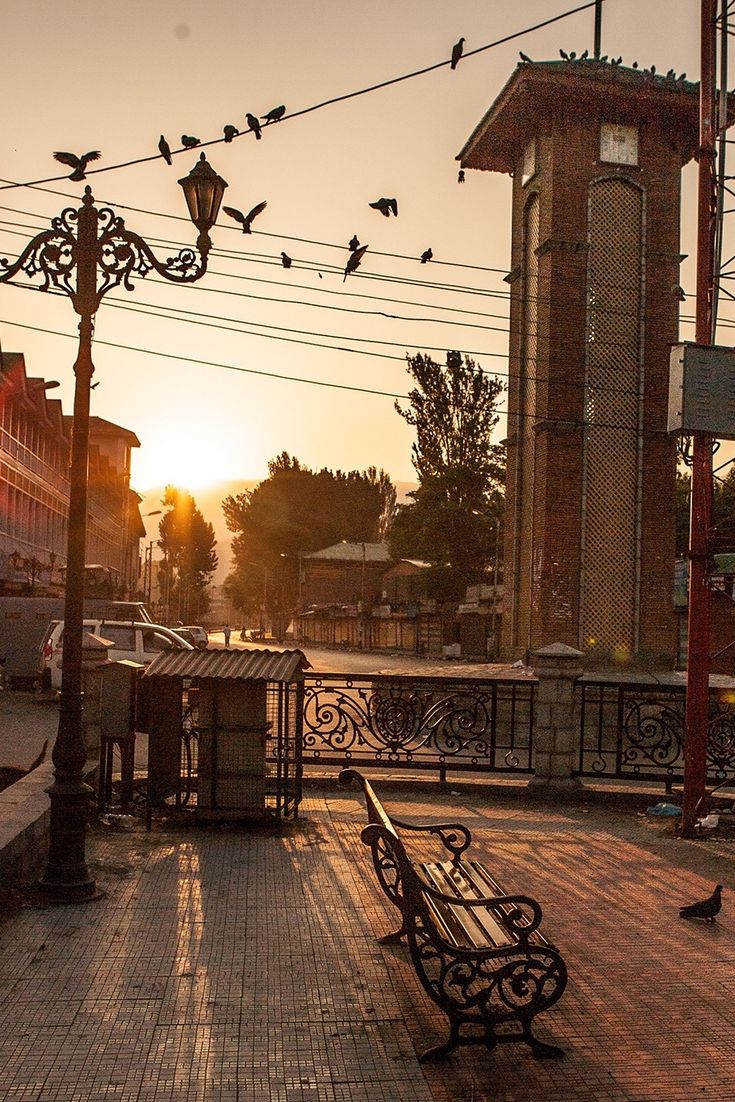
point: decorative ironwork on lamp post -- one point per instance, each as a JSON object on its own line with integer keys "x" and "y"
{"x": 87, "y": 252}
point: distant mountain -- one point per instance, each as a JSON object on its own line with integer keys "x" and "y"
{"x": 209, "y": 500}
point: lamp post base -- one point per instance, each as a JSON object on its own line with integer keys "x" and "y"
{"x": 67, "y": 879}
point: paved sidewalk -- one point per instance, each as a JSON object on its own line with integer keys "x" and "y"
{"x": 238, "y": 966}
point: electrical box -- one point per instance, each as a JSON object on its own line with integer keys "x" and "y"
{"x": 702, "y": 390}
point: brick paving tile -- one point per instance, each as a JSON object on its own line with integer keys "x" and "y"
{"x": 228, "y": 965}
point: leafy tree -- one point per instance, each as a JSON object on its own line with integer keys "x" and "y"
{"x": 454, "y": 520}
{"x": 292, "y": 512}
{"x": 187, "y": 541}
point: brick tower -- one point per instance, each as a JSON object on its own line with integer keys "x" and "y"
{"x": 596, "y": 152}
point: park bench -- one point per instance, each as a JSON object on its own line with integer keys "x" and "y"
{"x": 478, "y": 952}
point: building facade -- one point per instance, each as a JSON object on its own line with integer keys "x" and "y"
{"x": 35, "y": 440}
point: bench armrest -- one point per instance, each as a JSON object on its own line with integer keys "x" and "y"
{"x": 454, "y": 836}
{"x": 520, "y": 914}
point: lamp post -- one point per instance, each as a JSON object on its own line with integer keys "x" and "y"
{"x": 87, "y": 252}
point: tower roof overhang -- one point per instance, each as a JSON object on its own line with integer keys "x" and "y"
{"x": 541, "y": 90}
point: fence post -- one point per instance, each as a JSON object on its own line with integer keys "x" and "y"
{"x": 556, "y": 721}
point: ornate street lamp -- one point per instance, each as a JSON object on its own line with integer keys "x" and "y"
{"x": 87, "y": 252}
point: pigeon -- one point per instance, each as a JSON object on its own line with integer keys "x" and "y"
{"x": 286, "y": 260}
{"x": 79, "y": 164}
{"x": 671, "y": 74}
{"x": 245, "y": 220}
{"x": 683, "y": 76}
{"x": 706, "y": 908}
{"x": 460, "y": 176}
{"x": 188, "y": 142}
{"x": 354, "y": 261}
{"x": 457, "y": 50}
{"x": 525, "y": 57}
{"x": 584, "y": 55}
{"x": 354, "y": 243}
{"x": 385, "y": 206}
{"x": 230, "y": 132}
{"x": 165, "y": 150}
{"x": 274, "y": 115}
{"x": 426, "y": 256}
{"x": 254, "y": 124}
{"x": 564, "y": 56}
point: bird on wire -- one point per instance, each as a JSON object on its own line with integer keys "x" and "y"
{"x": 286, "y": 260}
{"x": 426, "y": 256}
{"x": 189, "y": 142}
{"x": 354, "y": 243}
{"x": 274, "y": 115}
{"x": 246, "y": 220}
{"x": 230, "y": 132}
{"x": 354, "y": 261}
{"x": 165, "y": 150}
{"x": 385, "y": 206}
{"x": 254, "y": 123}
{"x": 706, "y": 908}
{"x": 460, "y": 176}
{"x": 457, "y": 50}
{"x": 79, "y": 164}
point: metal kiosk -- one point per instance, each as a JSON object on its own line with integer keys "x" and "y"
{"x": 228, "y": 726}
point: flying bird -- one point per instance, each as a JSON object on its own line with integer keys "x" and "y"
{"x": 706, "y": 908}
{"x": 254, "y": 124}
{"x": 189, "y": 142}
{"x": 165, "y": 150}
{"x": 79, "y": 164}
{"x": 385, "y": 206}
{"x": 426, "y": 256}
{"x": 274, "y": 115}
{"x": 457, "y": 50}
{"x": 230, "y": 132}
{"x": 354, "y": 243}
{"x": 354, "y": 261}
{"x": 460, "y": 176}
{"x": 286, "y": 260}
{"x": 246, "y": 220}
{"x": 524, "y": 57}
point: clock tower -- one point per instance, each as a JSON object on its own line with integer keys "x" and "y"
{"x": 595, "y": 151}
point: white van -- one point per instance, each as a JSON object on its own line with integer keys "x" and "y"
{"x": 134, "y": 640}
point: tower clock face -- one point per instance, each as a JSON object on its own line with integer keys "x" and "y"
{"x": 618, "y": 144}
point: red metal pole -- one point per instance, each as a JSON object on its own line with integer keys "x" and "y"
{"x": 698, "y": 662}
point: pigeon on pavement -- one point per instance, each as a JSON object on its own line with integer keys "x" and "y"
{"x": 385, "y": 206}
{"x": 246, "y": 220}
{"x": 165, "y": 150}
{"x": 275, "y": 114}
{"x": 457, "y": 49}
{"x": 254, "y": 124}
{"x": 706, "y": 908}
{"x": 79, "y": 164}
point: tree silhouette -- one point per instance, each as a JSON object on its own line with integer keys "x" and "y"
{"x": 189, "y": 559}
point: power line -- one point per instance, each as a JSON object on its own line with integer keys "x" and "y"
{"x": 324, "y": 103}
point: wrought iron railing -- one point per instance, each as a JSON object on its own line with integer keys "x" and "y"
{"x": 419, "y": 723}
{"x": 637, "y": 731}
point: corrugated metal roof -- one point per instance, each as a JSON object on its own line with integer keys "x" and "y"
{"x": 255, "y": 665}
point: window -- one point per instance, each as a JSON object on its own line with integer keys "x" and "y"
{"x": 529, "y": 162}
{"x": 122, "y": 636}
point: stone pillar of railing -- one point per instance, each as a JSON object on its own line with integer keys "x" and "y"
{"x": 556, "y": 721}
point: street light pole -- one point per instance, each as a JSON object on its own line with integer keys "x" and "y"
{"x": 86, "y": 253}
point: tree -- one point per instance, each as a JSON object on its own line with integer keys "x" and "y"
{"x": 454, "y": 520}
{"x": 292, "y": 512}
{"x": 189, "y": 559}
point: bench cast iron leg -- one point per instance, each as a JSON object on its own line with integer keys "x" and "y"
{"x": 540, "y": 1049}
{"x": 442, "y": 1050}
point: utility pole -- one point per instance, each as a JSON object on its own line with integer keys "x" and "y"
{"x": 698, "y": 660}
{"x": 598, "y": 29}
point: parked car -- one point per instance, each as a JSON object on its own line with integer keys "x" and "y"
{"x": 134, "y": 640}
{"x": 200, "y": 638}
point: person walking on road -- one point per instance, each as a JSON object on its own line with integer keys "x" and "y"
{"x": 226, "y": 633}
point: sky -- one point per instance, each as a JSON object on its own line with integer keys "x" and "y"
{"x": 113, "y": 77}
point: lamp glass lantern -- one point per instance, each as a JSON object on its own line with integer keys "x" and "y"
{"x": 203, "y": 190}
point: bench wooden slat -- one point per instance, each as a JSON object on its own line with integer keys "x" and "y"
{"x": 474, "y": 927}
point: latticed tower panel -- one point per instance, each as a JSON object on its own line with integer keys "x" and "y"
{"x": 612, "y": 414}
